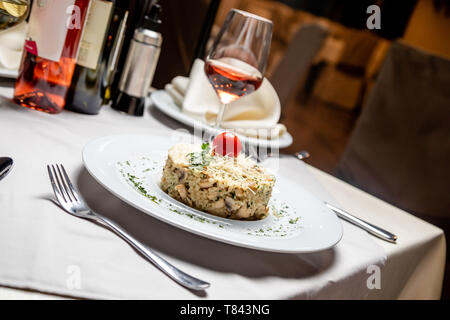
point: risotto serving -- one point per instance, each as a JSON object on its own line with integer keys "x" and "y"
{"x": 231, "y": 187}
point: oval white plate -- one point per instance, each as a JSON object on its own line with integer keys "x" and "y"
{"x": 297, "y": 223}
{"x": 164, "y": 102}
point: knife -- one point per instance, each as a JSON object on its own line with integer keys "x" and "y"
{"x": 370, "y": 228}
{"x": 344, "y": 215}
{"x": 6, "y": 164}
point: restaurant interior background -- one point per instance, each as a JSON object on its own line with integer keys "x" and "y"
{"x": 371, "y": 106}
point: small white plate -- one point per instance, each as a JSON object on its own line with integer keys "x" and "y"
{"x": 8, "y": 73}
{"x": 130, "y": 167}
{"x": 164, "y": 102}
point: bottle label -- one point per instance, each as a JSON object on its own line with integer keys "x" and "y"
{"x": 94, "y": 33}
{"x": 49, "y": 22}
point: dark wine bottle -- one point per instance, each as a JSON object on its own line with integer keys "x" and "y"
{"x": 135, "y": 11}
{"x": 140, "y": 65}
{"x": 113, "y": 47}
{"x": 85, "y": 94}
{"x": 92, "y": 87}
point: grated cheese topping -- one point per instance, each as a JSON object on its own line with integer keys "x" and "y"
{"x": 239, "y": 171}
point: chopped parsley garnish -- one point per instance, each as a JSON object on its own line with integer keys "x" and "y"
{"x": 205, "y": 147}
{"x": 141, "y": 189}
{"x": 293, "y": 221}
{"x": 201, "y": 159}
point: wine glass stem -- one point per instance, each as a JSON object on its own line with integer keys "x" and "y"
{"x": 220, "y": 116}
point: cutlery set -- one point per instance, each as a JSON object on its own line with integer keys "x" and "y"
{"x": 70, "y": 201}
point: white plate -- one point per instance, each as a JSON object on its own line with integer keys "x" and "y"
{"x": 8, "y": 73}
{"x": 164, "y": 102}
{"x": 303, "y": 223}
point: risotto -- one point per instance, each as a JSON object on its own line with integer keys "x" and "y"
{"x": 230, "y": 187}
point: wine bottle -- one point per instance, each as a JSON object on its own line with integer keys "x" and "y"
{"x": 135, "y": 10}
{"x": 49, "y": 58}
{"x": 140, "y": 66}
{"x": 85, "y": 93}
{"x": 113, "y": 47}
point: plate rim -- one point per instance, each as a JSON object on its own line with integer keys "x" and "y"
{"x": 9, "y": 73}
{"x": 187, "y": 227}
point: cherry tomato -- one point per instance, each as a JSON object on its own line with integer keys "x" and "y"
{"x": 227, "y": 144}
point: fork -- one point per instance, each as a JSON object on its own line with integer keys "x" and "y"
{"x": 70, "y": 200}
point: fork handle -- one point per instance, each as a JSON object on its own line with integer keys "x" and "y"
{"x": 174, "y": 273}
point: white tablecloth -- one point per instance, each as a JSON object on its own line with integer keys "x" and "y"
{"x": 42, "y": 248}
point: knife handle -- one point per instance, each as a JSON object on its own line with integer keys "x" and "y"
{"x": 372, "y": 229}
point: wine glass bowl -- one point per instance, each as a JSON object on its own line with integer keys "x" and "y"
{"x": 237, "y": 61}
{"x": 232, "y": 79}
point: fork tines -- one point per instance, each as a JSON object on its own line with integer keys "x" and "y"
{"x": 62, "y": 186}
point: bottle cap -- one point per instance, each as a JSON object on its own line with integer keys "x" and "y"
{"x": 152, "y": 20}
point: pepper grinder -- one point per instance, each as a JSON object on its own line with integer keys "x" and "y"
{"x": 140, "y": 65}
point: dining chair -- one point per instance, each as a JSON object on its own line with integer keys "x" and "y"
{"x": 292, "y": 70}
{"x": 399, "y": 149}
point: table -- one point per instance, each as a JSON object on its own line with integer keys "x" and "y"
{"x": 413, "y": 268}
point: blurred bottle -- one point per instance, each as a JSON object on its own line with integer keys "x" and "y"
{"x": 133, "y": 12}
{"x": 114, "y": 45}
{"x": 85, "y": 94}
{"x": 195, "y": 18}
{"x": 49, "y": 58}
{"x": 140, "y": 66}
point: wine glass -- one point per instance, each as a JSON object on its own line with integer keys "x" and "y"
{"x": 237, "y": 61}
{"x": 13, "y": 12}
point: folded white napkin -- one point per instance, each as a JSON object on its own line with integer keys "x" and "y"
{"x": 11, "y": 46}
{"x": 177, "y": 89}
{"x": 255, "y": 115}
